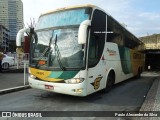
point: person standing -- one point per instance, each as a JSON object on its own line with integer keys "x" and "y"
{"x": 149, "y": 67}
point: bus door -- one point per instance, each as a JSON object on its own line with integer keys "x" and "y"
{"x": 96, "y": 66}
{"x": 96, "y": 62}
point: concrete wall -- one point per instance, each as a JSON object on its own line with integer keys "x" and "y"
{"x": 152, "y": 41}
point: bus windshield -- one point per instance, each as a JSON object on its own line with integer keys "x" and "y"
{"x": 58, "y": 49}
{"x": 63, "y": 18}
{"x": 55, "y": 40}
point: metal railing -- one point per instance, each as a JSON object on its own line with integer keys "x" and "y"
{"x": 21, "y": 61}
{"x": 22, "y": 58}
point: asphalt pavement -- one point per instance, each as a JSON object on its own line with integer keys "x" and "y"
{"x": 13, "y": 80}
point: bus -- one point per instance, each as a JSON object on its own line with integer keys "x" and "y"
{"x": 81, "y": 50}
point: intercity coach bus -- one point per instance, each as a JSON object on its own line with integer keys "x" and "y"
{"x": 81, "y": 50}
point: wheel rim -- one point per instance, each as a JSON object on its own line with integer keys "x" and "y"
{"x": 5, "y": 65}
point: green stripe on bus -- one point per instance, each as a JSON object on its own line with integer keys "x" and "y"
{"x": 63, "y": 74}
{"x": 125, "y": 57}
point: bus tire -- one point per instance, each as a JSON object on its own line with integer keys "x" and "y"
{"x": 110, "y": 81}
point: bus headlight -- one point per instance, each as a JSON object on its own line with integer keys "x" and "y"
{"x": 74, "y": 80}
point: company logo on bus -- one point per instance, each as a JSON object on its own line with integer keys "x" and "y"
{"x": 96, "y": 83}
{"x": 111, "y": 52}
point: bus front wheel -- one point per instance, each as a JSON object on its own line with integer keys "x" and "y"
{"x": 110, "y": 81}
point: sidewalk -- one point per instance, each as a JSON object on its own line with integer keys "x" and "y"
{"x": 9, "y": 80}
{"x": 152, "y": 101}
{"x": 13, "y": 80}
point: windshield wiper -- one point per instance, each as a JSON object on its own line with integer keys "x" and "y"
{"x": 47, "y": 49}
{"x": 58, "y": 54}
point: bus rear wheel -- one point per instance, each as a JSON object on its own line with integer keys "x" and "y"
{"x": 110, "y": 82}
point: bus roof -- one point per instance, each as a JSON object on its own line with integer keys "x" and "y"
{"x": 66, "y": 8}
{"x": 93, "y": 6}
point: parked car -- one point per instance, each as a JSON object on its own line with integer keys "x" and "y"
{"x": 7, "y": 61}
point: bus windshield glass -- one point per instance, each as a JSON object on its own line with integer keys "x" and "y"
{"x": 57, "y": 48}
{"x": 55, "y": 40}
{"x": 63, "y": 18}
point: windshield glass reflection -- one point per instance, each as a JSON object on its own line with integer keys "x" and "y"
{"x": 68, "y": 50}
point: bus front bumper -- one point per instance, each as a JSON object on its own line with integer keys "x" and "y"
{"x": 64, "y": 88}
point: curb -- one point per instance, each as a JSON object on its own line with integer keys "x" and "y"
{"x": 14, "y": 89}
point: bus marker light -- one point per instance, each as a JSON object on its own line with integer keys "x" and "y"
{"x": 42, "y": 62}
{"x": 103, "y": 58}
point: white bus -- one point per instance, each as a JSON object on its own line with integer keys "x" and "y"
{"x": 81, "y": 50}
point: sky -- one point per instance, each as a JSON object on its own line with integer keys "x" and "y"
{"x": 141, "y": 17}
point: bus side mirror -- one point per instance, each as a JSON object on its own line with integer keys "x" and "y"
{"x": 82, "y": 32}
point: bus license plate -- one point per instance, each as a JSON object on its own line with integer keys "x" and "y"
{"x": 50, "y": 87}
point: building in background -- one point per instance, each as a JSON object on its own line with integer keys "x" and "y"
{"x": 11, "y": 17}
{"x": 152, "y": 45}
{"x": 4, "y": 37}
{"x": 152, "y": 41}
